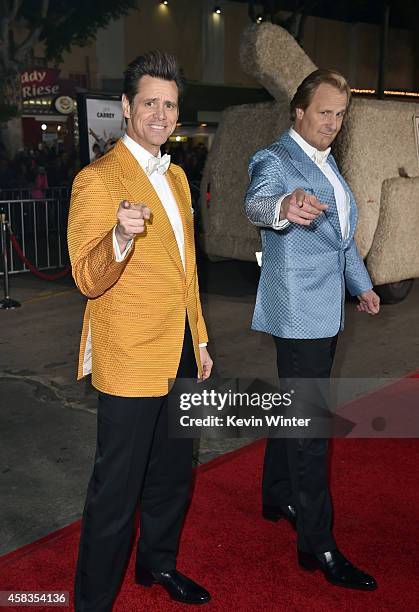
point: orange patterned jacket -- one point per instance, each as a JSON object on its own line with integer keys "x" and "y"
{"x": 135, "y": 314}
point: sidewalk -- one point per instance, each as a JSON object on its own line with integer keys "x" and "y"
{"x": 47, "y": 419}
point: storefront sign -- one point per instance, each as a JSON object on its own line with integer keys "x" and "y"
{"x": 39, "y": 83}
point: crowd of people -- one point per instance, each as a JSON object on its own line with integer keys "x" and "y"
{"x": 190, "y": 157}
{"x": 37, "y": 169}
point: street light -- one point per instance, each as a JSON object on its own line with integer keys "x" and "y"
{"x": 43, "y": 127}
{"x": 217, "y": 10}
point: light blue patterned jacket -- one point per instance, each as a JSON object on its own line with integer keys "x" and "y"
{"x": 301, "y": 291}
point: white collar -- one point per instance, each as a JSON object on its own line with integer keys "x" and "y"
{"x": 311, "y": 151}
{"x": 141, "y": 155}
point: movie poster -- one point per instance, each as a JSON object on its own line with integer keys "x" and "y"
{"x": 101, "y": 124}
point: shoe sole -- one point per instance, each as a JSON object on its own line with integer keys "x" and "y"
{"x": 273, "y": 517}
{"x": 314, "y": 568}
{"x": 148, "y": 584}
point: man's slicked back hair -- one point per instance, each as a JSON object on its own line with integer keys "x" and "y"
{"x": 157, "y": 64}
{"x": 307, "y": 88}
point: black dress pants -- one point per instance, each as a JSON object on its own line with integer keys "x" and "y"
{"x": 296, "y": 469}
{"x": 135, "y": 462}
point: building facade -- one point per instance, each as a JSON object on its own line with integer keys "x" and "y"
{"x": 205, "y": 36}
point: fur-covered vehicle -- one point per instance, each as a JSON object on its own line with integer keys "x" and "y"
{"x": 376, "y": 151}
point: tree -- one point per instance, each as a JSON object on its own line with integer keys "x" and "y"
{"x": 58, "y": 24}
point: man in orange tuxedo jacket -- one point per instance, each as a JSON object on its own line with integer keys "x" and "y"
{"x": 131, "y": 244}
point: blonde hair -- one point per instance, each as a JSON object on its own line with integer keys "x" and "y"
{"x": 307, "y": 88}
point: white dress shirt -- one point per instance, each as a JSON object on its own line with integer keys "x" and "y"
{"x": 162, "y": 188}
{"x": 341, "y": 196}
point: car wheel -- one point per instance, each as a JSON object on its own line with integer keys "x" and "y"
{"x": 393, "y": 293}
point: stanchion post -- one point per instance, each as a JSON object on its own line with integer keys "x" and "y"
{"x": 6, "y": 303}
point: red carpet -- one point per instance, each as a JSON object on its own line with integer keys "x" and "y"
{"x": 249, "y": 564}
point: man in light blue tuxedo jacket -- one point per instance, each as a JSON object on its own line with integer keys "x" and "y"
{"x": 308, "y": 218}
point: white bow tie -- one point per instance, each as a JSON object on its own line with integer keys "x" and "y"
{"x": 320, "y": 157}
{"x": 158, "y": 164}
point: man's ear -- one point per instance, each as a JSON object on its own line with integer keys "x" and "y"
{"x": 126, "y": 109}
{"x": 299, "y": 113}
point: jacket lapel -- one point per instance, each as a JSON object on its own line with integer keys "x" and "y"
{"x": 142, "y": 191}
{"x": 322, "y": 188}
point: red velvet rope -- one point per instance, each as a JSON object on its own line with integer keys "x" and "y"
{"x": 22, "y": 256}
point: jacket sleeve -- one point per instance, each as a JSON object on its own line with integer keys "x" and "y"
{"x": 265, "y": 189}
{"x": 357, "y": 278}
{"x": 202, "y": 329}
{"x": 92, "y": 218}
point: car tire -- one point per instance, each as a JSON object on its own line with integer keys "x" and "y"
{"x": 393, "y": 293}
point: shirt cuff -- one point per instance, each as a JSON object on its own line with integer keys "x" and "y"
{"x": 117, "y": 251}
{"x": 277, "y": 224}
{"x": 203, "y": 344}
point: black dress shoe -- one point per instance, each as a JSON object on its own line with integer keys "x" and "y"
{"x": 179, "y": 587}
{"x": 337, "y": 570}
{"x": 276, "y": 513}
